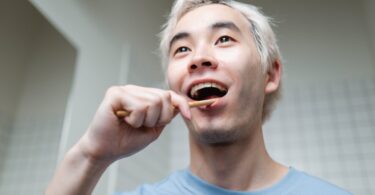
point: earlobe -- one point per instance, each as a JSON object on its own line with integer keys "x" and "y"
{"x": 273, "y": 77}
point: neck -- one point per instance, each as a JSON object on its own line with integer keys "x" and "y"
{"x": 243, "y": 166}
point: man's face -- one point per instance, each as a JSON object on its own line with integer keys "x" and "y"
{"x": 213, "y": 55}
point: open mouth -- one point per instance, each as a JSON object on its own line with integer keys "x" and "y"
{"x": 207, "y": 90}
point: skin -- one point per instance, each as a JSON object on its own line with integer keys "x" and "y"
{"x": 234, "y": 59}
{"x": 226, "y": 140}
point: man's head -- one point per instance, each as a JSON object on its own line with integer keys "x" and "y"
{"x": 228, "y": 49}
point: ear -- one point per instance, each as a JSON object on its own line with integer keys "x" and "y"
{"x": 273, "y": 77}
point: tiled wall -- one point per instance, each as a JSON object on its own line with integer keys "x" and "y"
{"x": 329, "y": 131}
{"x": 4, "y": 131}
{"x": 148, "y": 166}
{"x": 326, "y": 130}
{"x": 32, "y": 138}
{"x": 31, "y": 157}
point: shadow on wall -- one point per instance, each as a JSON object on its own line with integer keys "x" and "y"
{"x": 37, "y": 67}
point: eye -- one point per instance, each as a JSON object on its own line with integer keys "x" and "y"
{"x": 181, "y": 50}
{"x": 224, "y": 39}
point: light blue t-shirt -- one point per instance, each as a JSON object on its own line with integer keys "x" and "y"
{"x": 185, "y": 183}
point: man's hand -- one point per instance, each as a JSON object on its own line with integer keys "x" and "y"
{"x": 109, "y": 138}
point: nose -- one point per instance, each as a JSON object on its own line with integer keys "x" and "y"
{"x": 201, "y": 62}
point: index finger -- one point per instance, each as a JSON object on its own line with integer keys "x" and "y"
{"x": 181, "y": 104}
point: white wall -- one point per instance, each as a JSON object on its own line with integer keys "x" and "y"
{"x": 101, "y": 31}
{"x": 136, "y": 23}
{"x": 14, "y": 50}
{"x": 38, "y": 75}
{"x": 324, "y": 39}
{"x": 123, "y": 21}
{"x": 369, "y": 6}
{"x": 15, "y": 40}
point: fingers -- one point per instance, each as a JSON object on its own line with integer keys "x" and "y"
{"x": 149, "y": 107}
{"x": 181, "y": 104}
{"x": 137, "y": 116}
{"x": 167, "y": 109}
{"x": 153, "y": 110}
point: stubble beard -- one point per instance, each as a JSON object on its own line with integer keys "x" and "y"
{"x": 213, "y": 135}
{"x": 218, "y": 137}
{"x": 223, "y": 133}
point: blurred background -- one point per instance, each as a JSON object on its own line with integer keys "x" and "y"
{"x": 57, "y": 58}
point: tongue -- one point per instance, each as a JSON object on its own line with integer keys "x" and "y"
{"x": 211, "y": 97}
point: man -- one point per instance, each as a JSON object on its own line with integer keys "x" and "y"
{"x": 214, "y": 49}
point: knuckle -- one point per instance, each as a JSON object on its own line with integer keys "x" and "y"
{"x": 134, "y": 123}
{"x": 128, "y": 87}
{"x": 112, "y": 90}
{"x": 149, "y": 125}
{"x": 165, "y": 119}
{"x": 130, "y": 122}
{"x": 150, "y": 122}
{"x": 143, "y": 108}
{"x": 164, "y": 122}
{"x": 158, "y": 102}
{"x": 155, "y": 101}
{"x": 167, "y": 95}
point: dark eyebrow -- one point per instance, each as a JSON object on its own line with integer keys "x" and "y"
{"x": 228, "y": 25}
{"x": 178, "y": 36}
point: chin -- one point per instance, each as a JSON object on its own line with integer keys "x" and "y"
{"x": 220, "y": 130}
{"x": 215, "y": 136}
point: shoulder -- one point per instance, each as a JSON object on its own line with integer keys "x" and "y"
{"x": 308, "y": 184}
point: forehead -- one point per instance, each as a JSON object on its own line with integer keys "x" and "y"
{"x": 202, "y": 17}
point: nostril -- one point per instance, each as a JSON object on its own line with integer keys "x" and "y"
{"x": 193, "y": 66}
{"x": 207, "y": 63}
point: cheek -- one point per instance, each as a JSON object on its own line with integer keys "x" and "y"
{"x": 174, "y": 77}
{"x": 244, "y": 64}
{"x": 229, "y": 56}
{"x": 170, "y": 79}
{"x": 245, "y": 69}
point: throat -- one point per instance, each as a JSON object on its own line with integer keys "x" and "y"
{"x": 239, "y": 167}
{"x": 244, "y": 179}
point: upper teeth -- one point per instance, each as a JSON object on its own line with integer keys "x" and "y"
{"x": 194, "y": 90}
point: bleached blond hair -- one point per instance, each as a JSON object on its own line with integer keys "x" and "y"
{"x": 260, "y": 29}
